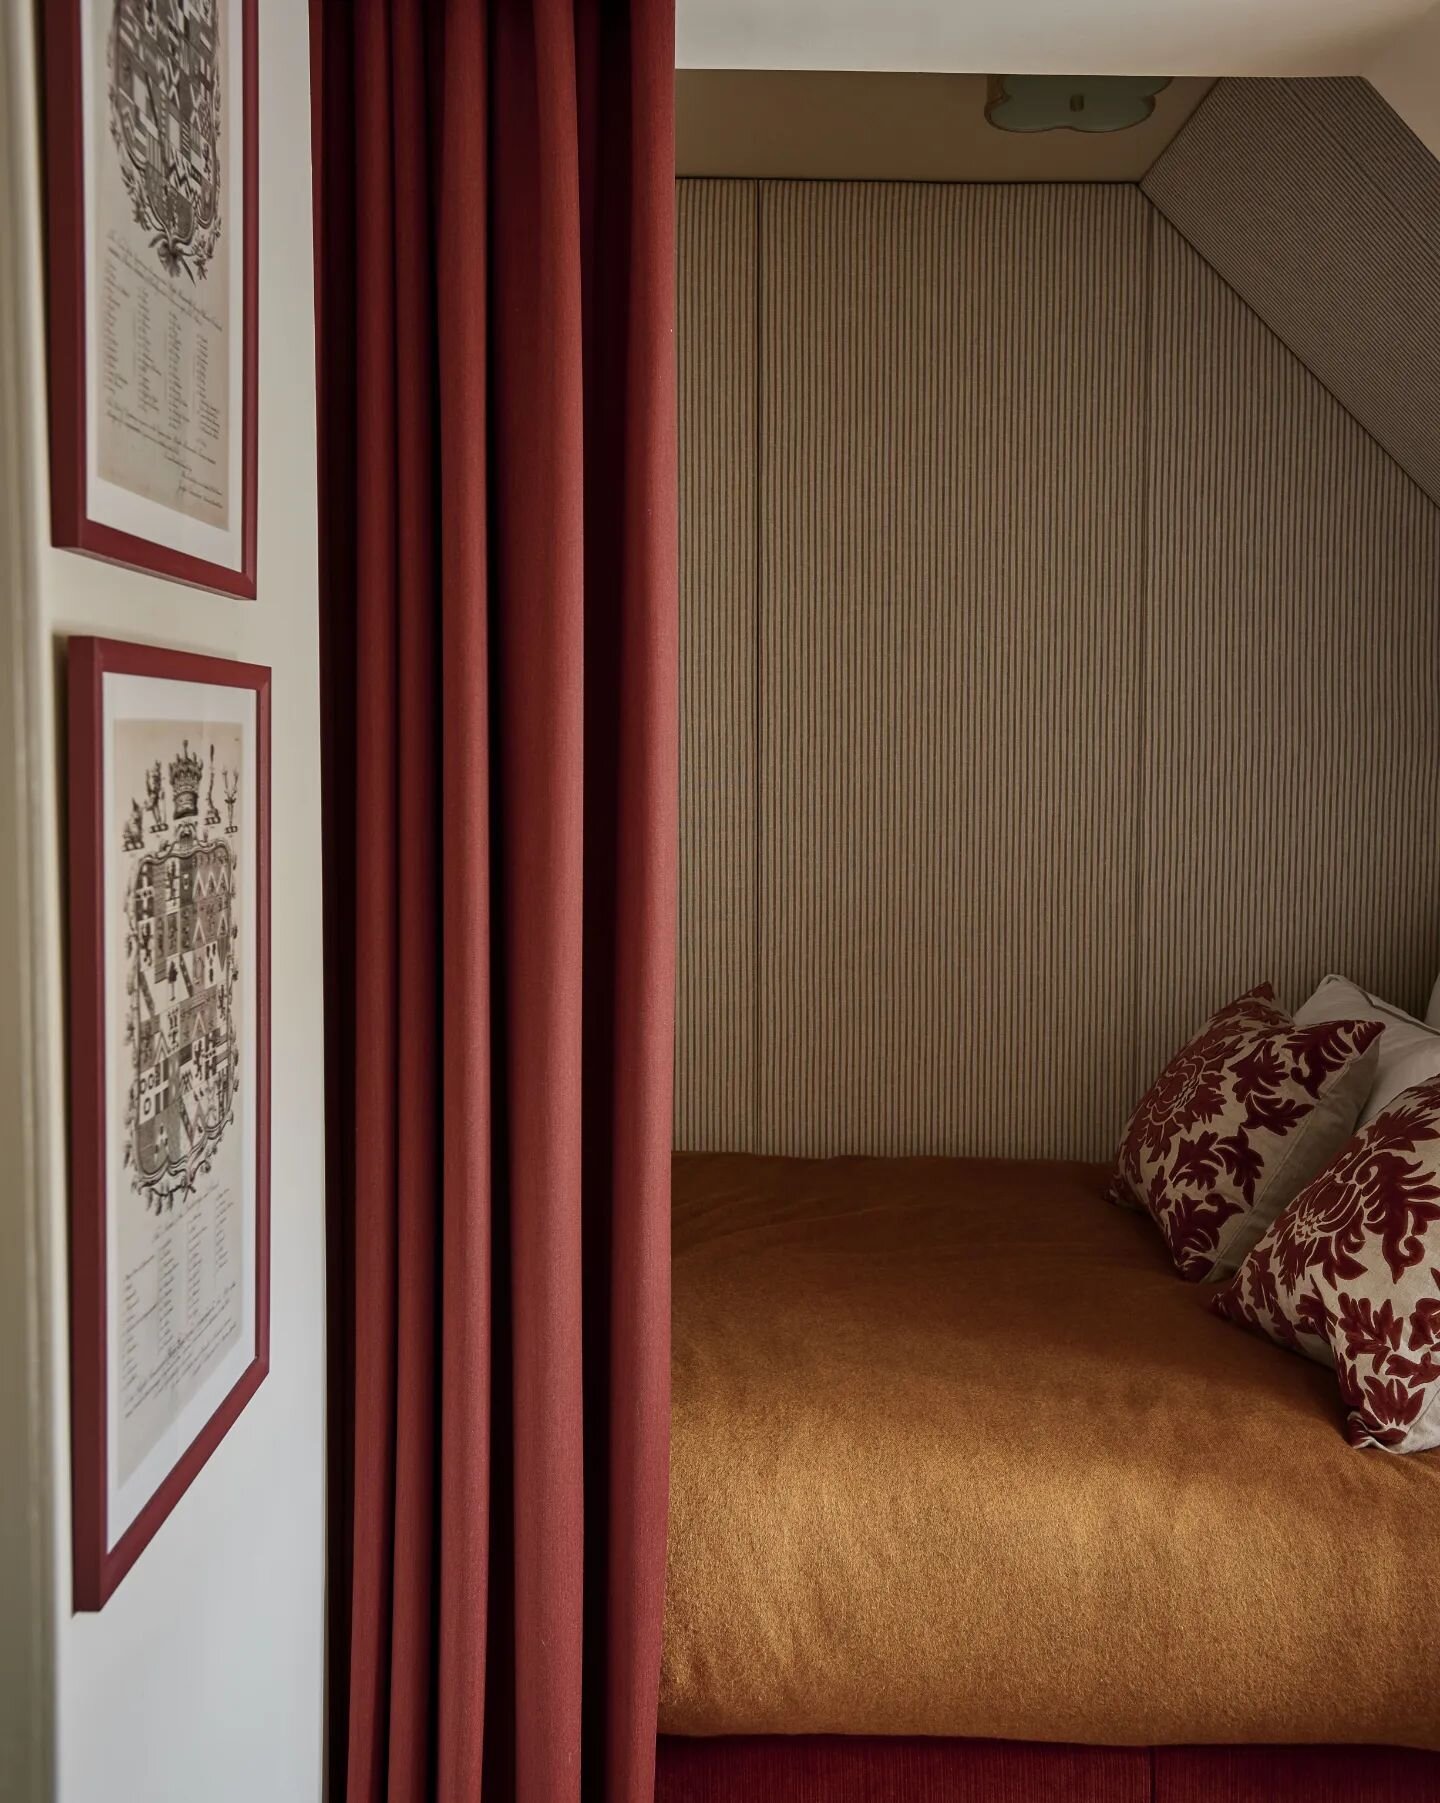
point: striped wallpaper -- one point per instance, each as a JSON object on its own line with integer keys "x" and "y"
{"x": 1059, "y": 656}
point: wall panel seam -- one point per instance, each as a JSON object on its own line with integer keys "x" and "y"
{"x": 757, "y": 590}
{"x": 1143, "y": 798}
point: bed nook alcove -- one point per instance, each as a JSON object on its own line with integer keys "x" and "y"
{"x": 882, "y": 770}
{"x": 1060, "y": 661}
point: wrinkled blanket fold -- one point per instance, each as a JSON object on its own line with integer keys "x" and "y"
{"x": 954, "y": 1451}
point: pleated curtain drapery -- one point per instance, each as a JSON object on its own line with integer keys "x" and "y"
{"x": 495, "y": 205}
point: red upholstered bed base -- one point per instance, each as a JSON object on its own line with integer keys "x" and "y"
{"x": 841, "y": 1769}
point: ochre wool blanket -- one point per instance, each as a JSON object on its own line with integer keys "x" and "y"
{"x": 956, "y": 1452}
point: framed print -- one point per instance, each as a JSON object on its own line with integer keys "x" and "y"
{"x": 151, "y": 122}
{"x": 170, "y": 1075}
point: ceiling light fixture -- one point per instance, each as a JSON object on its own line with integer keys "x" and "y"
{"x": 1071, "y": 102}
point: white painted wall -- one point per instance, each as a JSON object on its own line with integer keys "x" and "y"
{"x": 1407, "y": 73}
{"x": 1154, "y": 37}
{"x": 203, "y": 1677}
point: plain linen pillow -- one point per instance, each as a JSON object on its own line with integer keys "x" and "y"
{"x": 1432, "y": 1012}
{"x": 1407, "y": 1052}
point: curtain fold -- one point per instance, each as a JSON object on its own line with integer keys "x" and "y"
{"x": 495, "y": 247}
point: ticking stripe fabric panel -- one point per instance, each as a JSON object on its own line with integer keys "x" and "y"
{"x": 951, "y": 381}
{"x": 1322, "y": 209}
{"x": 716, "y": 996}
{"x": 1058, "y": 657}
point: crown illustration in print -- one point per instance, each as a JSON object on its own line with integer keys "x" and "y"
{"x": 185, "y": 774}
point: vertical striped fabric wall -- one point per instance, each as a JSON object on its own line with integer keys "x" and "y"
{"x": 949, "y": 586}
{"x": 1291, "y": 778}
{"x": 1058, "y": 657}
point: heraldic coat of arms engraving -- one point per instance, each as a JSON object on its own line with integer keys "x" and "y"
{"x": 181, "y": 939}
{"x": 165, "y": 119}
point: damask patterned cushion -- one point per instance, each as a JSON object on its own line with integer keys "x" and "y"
{"x": 1238, "y": 1123}
{"x": 1350, "y": 1275}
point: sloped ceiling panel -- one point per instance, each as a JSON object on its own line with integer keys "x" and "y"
{"x": 1321, "y": 209}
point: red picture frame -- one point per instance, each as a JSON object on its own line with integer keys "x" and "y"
{"x": 72, "y": 527}
{"x": 99, "y": 1566}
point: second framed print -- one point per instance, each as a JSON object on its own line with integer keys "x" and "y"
{"x": 170, "y": 1081}
{"x": 151, "y": 121}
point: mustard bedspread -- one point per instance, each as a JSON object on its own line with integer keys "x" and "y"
{"x": 956, "y": 1452}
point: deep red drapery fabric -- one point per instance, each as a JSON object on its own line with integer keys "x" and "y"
{"x": 806, "y": 1768}
{"x": 495, "y": 198}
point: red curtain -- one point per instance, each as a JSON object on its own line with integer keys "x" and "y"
{"x": 495, "y": 200}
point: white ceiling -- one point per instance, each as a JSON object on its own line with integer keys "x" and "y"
{"x": 1139, "y": 37}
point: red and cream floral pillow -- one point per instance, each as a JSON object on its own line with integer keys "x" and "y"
{"x": 1238, "y": 1123}
{"x": 1350, "y": 1275}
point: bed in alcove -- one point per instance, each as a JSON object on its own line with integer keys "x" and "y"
{"x": 1061, "y": 589}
